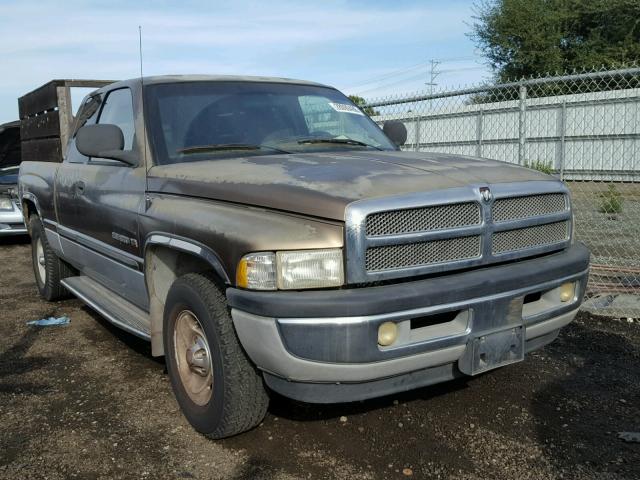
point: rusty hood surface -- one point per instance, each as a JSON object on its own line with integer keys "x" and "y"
{"x": 322, "y": 184}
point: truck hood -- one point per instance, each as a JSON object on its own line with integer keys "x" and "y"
{"x": 322, "y": 184}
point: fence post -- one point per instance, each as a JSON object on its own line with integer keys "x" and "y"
{"x": 563, "y": 123}
{"x": 416, "y": 143}
{"x": 479, "y": 121}
{"x": 521, "y": 124}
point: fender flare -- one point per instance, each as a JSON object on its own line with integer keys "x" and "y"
{"x": 33, "y": 199}
{"x": 188, "y": 246}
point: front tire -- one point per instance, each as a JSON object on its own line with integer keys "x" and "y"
{"x": 219, "y": 390}
{"x": 47, "y": 267}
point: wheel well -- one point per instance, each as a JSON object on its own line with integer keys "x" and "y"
{"x": 29, "y": 208}
{"x": 163, "y": 265}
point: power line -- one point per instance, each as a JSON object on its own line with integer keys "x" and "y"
{"x": 403, "y": 80}
{"x": 462, "y": 69}
{"x": 455, "y": 59}
{"x": 387, "y": 75}
{"x": 402, "y": 71}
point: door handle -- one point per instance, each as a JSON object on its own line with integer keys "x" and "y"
{"x": 79, "y": 188}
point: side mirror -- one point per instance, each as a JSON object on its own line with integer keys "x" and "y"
{"x": 104, "y": 141}
{"x": 396, "y": 131}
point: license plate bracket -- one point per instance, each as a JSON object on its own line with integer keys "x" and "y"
{"x": 492, "y": 350}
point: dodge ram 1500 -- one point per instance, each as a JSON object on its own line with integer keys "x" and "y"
{"x": 266, "y": 234}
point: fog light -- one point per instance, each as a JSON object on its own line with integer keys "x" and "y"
{"x": 567, "y": 292}
{"x": 387, "y": 333}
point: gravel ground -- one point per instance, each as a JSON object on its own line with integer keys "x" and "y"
{"x": 88, "y": 401}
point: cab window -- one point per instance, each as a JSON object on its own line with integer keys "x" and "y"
{"x": 87, "y": 115}
{"x": 118, "y": 110}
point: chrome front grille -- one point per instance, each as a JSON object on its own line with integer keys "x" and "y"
{"x": 431, "y": 232}
{"x": 530, "y": 237}
{"x": 423, "y": 253}
{"x": 423, "y": 219}
{"x": 516, "y": 208}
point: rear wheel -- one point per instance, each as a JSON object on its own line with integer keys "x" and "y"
{"x": 217, "y": 387}
{"x": 47, "y": 267}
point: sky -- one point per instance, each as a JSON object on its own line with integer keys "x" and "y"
{"x": 370, "y": 48}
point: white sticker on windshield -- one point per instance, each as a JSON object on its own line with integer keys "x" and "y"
{"x": 346, "y": 108}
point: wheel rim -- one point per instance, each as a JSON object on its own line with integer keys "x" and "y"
{"x": 40, "y": 262}
{"x": 193, "y": 357}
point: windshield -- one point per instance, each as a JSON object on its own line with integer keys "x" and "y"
{"x": 194, "y": 121}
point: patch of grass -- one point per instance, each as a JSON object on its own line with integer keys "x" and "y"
{"x": 611, "y": 201}
{"x": 541, "y": 166}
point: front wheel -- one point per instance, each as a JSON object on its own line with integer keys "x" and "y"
{"x": 217, "y": 387}
{"x": 47, "y": 267}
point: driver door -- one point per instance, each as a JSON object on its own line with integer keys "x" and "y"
{"x": 105, "y": 197}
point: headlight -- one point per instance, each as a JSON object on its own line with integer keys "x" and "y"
{"x": 6, "y": 204}
{"x": 291, "y": 270}
{"x": 309, "y": 269}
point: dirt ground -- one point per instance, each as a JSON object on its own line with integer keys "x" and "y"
{"x": 88, "y": 401}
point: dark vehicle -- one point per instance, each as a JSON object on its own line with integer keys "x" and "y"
{"x": 265, "y": 234}
{"x": 11, "y": 222}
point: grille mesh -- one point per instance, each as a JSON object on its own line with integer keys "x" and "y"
{"x": 529, "y": 206}
{"x": 423, "y": 219}
{"x": 422, "y": 253}
{"x": 528, "y": 237}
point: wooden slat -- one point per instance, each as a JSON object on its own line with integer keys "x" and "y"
{"x": 65, "y": 113}
{"x": 595, "y": 267}
{"x": 42, "y": 150}
{"x": 41, "y": 126}
{"x": 87, "y": 83}
{"x": 44, "y": 98}
{"x": 39, "y": 100}
{"x": 46, "y": 118}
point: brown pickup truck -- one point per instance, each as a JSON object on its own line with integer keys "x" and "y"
{"x": 265, "y": 234}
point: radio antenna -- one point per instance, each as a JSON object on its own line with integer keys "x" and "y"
{"x": 140, "y": 48}
{"x": 144, "y": 123}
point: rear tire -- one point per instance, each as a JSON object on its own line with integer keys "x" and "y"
{"x": 219, "y": 390}
{"x": 47, "y": 267}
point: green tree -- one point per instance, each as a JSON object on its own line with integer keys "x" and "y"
{"x": 361, "y": 102}
{"x": 523, "y": 38}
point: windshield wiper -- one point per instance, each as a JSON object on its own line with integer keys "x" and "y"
{"x": 342, "y": 141}
{"x": 214, "y": 147}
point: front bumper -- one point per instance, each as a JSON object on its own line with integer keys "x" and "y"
{"x": 321, "y": 346}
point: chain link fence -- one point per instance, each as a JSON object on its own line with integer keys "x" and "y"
{"x": 583, "y": 128}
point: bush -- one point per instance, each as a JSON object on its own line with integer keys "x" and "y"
{"x": 611, "y": 201}
{"x": 541, "y": 166}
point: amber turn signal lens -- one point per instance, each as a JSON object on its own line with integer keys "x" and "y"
{"x": 567, "y": 292}
{"x": 257, "y": 271}
{"x": 387, "y": 334}
{"x": 241, "y": 274}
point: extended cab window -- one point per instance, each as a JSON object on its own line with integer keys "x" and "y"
{"x": 118, "y": 110}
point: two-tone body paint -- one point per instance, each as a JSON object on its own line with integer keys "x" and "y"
{"x": 226, "y": 207}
